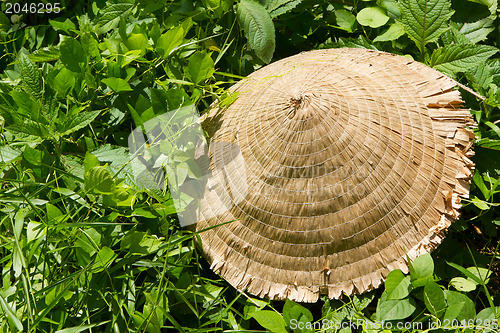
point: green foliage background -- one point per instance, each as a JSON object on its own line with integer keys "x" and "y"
{"x": 83, "y": 248}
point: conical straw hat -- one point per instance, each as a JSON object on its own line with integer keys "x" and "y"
{"x": 336, "y": 166}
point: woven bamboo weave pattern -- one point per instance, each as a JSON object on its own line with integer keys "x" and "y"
{"x": 351, "y": 160}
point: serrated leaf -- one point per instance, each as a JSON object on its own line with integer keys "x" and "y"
{"x": 72, "y": 54}
{"x": 425, "y": 20}
{"x": 479, "y": 30}
{"x": 270, "y": 320}
{"x": 75, "y": 122}
{"x": 279, "y": 7}
{"x": 452, "y": 59}
{"x": 200, "y": 67}
{"x": 372, "y": 17}
{"x": 360, "y": 42}
{"x": 99, "y": 180}
{"x": 117, "y": 84}
{"x": 31, "y": 77}
{"x": 110, "y": 15}
{"x": 258, "y": 27}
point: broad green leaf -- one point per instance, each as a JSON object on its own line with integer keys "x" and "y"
{"x": 279, "y": 7}
{"x": 103, "y": 259}
{"x": 72, "y": 54}
{"x": 372, "y": 17}
{"x": 200, "y": 67}
{"x": 99, "y": 180}
{"x": 35, "y": 230}
{"x": 421, "y": 270}
{"x": 138, "y": 42}
{"x": 270, "y": 320}
{"x": 65, "y": 25}
{"x": 169, "y": 41}
{"x": 462, "y": 284}
{"x": 434, "y": 299}
{"x": 109, "y": 16}
{"x": 460, "y": 306}
{"x": 346, "y": 20}
{"x": 477, "y": 31}
{"x": 9, "y": 154}
{"x": 117, "y": 84}
{"x": 258, "y": 27}
{"x": 395, "y": 309}
{"x": 452, "y": 59}
{"x": 395, "y": 31}
{"x": 63, "y": 82}
{"x": 50, "y": 53}
{"x": 360, "y": 42}
{"x": 90, "y": 161}
{"x": 31, "y": 77}
{"x": 482, "y": 273}
{"x": 75, "y": 122}
{"x": 466, "y": 272}
{"x": 397, "y": 285}
{"x": 294, "y": 311}
{"x": 486, "y": 318}
{"x": 392, "y": 8}
{"x": 425, "y": 20}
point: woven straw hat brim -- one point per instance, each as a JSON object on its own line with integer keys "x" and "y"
{"x": 350, "y": 161}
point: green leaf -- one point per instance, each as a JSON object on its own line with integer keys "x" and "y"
{"x": 50, "y": 53}
{"x": 99, "y": 180}
{"x": 483, "y": 205}
{"x": 461, "y": 284}
{"x": 346, "y": 20}
{"x": 117, "y": 84}
{"x": 103, "y": 259}
{"x": 397, "y": 285}
{"x": 72, "y": 55}
{"x": 434, "y": 299}
{"x": 138, "y": 42}
{"x": 452, "y": 59}
{"x": 372, "y": 17}
{"x": 258, "y": 27}
{"x": 75, "y": 122}
{"x": 421, "y": 270}
{"x": 31, "y": 77}
{"x": 294, "y": 311}
{"x": 395, "y": 31}
{"x": 169, "y": 41}
{"x": 90, "y": 161}
{"x": 14, "y": 322}
{"x": 200, "y": 67}
{"x": 63, "y": 82}
{"x": 479, "y": 30}
{"x": 65, "y": 25}
{"x": 481, "y": 273}
{"x": 460, "y": 307}
{"x": 395, "y": 309}
{"x": 425, "y": 20}
{"x": 279, "y": 7}
{"x": 109, "y": 16}
{"x": 270, "y": 320}
{"x": 466, "y": 272}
